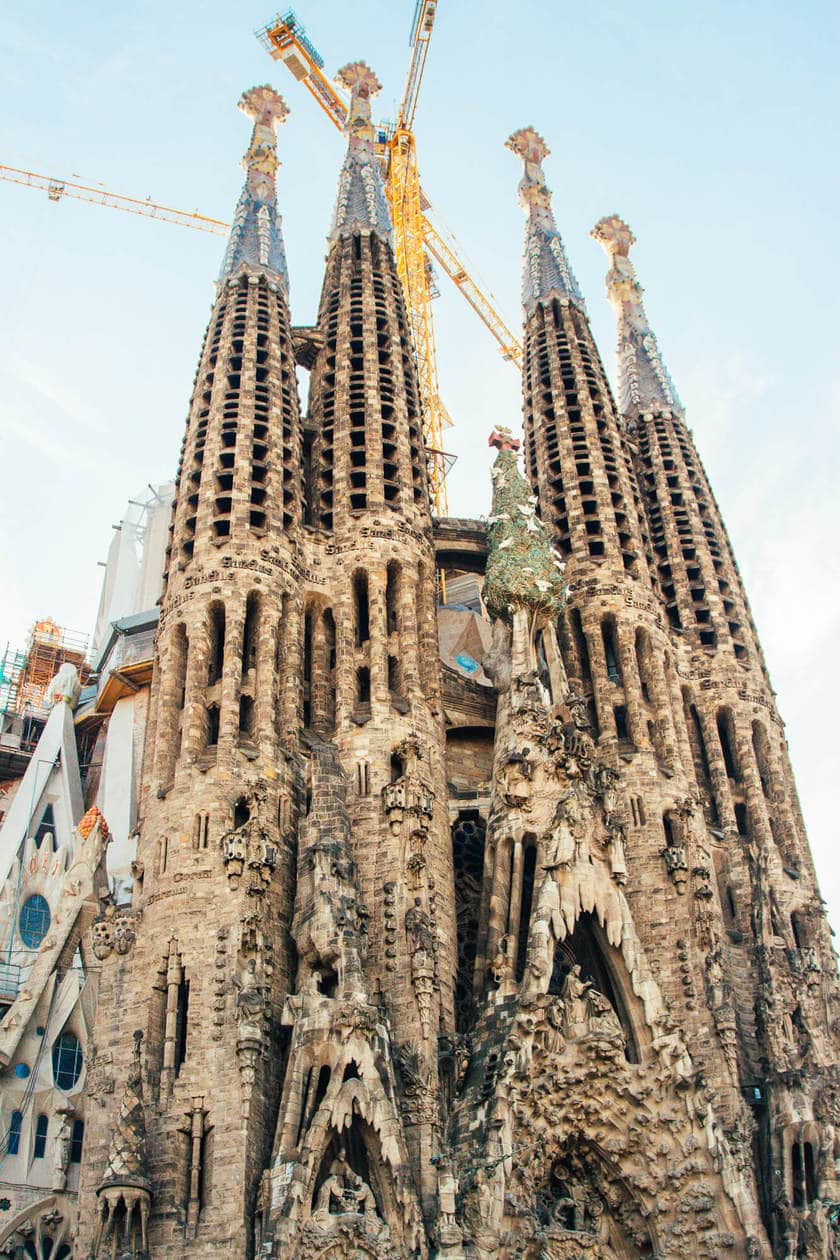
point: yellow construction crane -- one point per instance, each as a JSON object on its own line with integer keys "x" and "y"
{"x": 415, "y": 237}
{"x": 58, "y": 188}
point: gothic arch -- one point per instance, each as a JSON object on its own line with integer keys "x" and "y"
{"x": 40, "y": 1230}
{"x": 601, "y": 964}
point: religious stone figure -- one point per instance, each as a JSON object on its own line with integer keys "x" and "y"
{"x": 345, "y": 1192}
{"x": 61, "y": 1151}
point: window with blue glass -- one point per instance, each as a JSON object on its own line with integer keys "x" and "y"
{"x": 46, "y": 827}
{"x": 77, "y": 1141}
{"x": 15, "y": 1125}
{"x": 40, "y": 1137}
{"x": 34, "y": 920}
{"x": 67, "y": 1060}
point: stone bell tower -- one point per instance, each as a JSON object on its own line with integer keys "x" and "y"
{"x": 769, "y": 974}
{"x": 210, "y": 964}
{"x": 373, "y": 924}
{"x": 643, "y": 1063}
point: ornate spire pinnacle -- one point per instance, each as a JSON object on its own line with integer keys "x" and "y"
{"x": 255, "y": 236}
{"x": 546, "y": 272}
{"x": 361, "y": 204}
{"x": 523, "y": 569}
{"x": 644, "y": 383}
{"x": 127, "y": 1152}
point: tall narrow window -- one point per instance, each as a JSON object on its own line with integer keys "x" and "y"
{"x": 611, "y": 652}
{"x": 41, "y": 1125}
{"x": 15, "y": 1126}
{"x": 217, "y": 644}
{"x": 212, "y": 725}
{"x": 179, "y": 663}
{"x": 363, "y": 685}
{"x": 246, "y": 716}
{"x": 77, "y": 1140}
{"x": 761, "y": 749}
{"x": 727, "y": 742}
{"x": 529, "y": 866}
{"x": 803, "y": 1174}
{"x": 699, "y": 755}
{"x": 392, "y": 597}
{"x": 643, "y": 661}
{"x": 181, "y": 1023}
{"x": 360, "y": 598}
{"x": 468, "y": 863}
{"x": 250, "y": 633}
{"x": 581, "y": 647}
{"x": 308, "y": 634}
{"x": 542, "y": 663}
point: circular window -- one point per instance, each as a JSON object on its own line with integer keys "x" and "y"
{"x": 34, "y": 920}
{"x": 22, "y": 1070}
{"x": 67, "y": 1060}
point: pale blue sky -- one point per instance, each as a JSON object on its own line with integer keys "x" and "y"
{"x": 711, "y": 128}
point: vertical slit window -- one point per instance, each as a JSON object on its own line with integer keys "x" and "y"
{"x": 217, "y": 644}
{"x": 182, "y": 1012}
{"x": 362, "y": 610}
{"x": 250, "y": 633}
{"x": 529, "y": 866}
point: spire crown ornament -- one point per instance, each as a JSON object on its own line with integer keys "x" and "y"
{"x": 255, "y": 235}
{"x": 361, "y": 204}
{"x": 362, "y": 84}
{"x": 546, "y": 273}
{"x": 644, "y": 383}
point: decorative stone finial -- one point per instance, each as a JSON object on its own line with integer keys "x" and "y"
{"x": 644, "y": 383}
{"x": 546, "y": 272}
{"x": 362, "y": 84}
{"x": 268, "y": 109}
{"x": 361, "y": 204}
{"x": 255, "y": 236}
{"x": 125, "y": 1190}
{"x": 127, "y": 1153}
{"x": 523, "y": 570}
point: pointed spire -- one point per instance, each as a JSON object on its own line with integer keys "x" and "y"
{"x": 523, "y": 569}
{"x": 361, "y": 204}
{"x": 127, "y": 1152}
{"x": 546, "y": 272}
{"x": 255, "y": 236}
{"x": 644, "y": 383}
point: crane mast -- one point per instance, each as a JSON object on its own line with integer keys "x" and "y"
{"x": 403, "y": 189}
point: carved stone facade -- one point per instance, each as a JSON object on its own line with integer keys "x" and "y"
{"x": 435, "y": 956}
